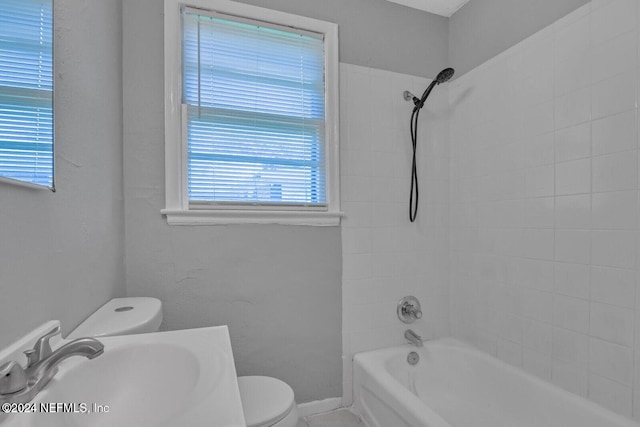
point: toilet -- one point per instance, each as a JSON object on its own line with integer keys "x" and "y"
{"x": 266, "y": 401}
{"x": 121, "y": 316}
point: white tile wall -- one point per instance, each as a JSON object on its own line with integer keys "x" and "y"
{"x": 544, "y": 209}
{"x": 385, "y": 257}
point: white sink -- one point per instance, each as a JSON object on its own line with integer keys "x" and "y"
{"x": 178, "y": 378}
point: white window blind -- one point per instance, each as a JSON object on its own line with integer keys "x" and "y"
{"x": 254, "y": 96}
{"x": 26, "y": 91}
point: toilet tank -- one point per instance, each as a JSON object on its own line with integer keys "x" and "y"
{"x": 122, "y": 316}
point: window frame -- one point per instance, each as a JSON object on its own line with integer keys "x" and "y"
{"x": 29, "y": 184}
{"x": 177, "y": 207}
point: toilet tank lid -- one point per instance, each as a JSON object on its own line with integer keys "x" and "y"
{"x": 122, "y": 316}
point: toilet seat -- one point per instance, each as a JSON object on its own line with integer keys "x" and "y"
{"x": 265, "y": 400}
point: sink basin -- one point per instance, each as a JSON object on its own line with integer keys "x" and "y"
{"x": 161, "y": 379}
{"x": 125, "y": 375}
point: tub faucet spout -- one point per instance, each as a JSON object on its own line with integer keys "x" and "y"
{"x": 413, "y": 337}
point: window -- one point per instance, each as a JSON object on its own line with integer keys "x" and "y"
{"x": 251, "y": 116}
{"x": 26, "y": 92}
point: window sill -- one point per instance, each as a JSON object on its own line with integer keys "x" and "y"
{"x": 228, "y": 217}
{"x": 26, "y": 184}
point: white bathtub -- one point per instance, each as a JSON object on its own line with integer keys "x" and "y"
{"x": 455, "y": 385}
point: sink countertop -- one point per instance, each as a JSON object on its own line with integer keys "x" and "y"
{"x": 161, "y": 379}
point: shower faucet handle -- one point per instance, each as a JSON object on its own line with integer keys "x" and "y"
{"x": 416, "y": 312}
{"x": 412, "y": 310}
{"x": 409, "y": 309}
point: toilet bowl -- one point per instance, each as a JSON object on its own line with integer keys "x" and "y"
{"x": 266, "y": 401}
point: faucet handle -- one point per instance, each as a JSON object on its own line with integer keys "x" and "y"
{"x": 31, "y": 357}
{"x": 417, "y": 313}
{"x": 42, "y": 348}
{"x": 409, "y": 309}
{"x": 12, "y": 378}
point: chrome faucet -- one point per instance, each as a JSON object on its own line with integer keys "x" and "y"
{"x": 409, "y": 309}
{"x": 21, "y": 385}
{"x": 413, "y": 337}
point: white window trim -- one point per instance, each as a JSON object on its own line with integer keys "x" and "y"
{"x": 177, "y": 208}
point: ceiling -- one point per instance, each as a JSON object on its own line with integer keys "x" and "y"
{"x": 439, "y": 7}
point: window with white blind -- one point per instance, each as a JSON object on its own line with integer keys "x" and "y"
{"x": 26, "y": 92}
{"x": 251, "y": 116}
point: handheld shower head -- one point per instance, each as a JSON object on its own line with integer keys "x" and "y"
{"x": 442, "y": 77}
{"x": 445, "y": 75}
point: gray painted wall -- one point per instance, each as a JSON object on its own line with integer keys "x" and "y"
{"x": 277, "y": 287}
{"x": 378, "y": 33}
{"x": 481, "y": 29}
{"x": 61, "y": 255}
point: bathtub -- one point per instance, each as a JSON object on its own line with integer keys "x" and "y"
{"x": 455, "y": 385}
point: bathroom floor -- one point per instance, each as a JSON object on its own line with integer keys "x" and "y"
{"x": 339, "y": 418}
